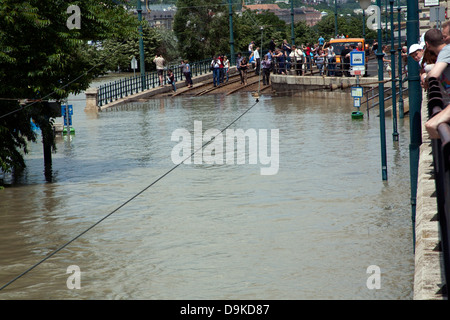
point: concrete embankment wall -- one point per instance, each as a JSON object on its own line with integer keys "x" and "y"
{"x": 429, "y": 269}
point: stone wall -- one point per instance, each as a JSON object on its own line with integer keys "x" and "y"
{"x": 428, "y": 275}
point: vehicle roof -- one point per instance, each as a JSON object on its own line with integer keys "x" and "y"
{"x": 348, "y": 40}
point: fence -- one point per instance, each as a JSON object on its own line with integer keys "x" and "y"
{"x": 441, "y": 161}
{"x": 121, "y": 88}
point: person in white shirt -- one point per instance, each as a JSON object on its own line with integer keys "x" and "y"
{"x": 297, "y": 58}
{"x": 257, "y": 59}
{"x": 160, "y": 62}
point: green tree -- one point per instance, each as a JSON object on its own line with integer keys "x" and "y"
{"x": 117, "y": 53}
{"x": 251, "y": 26}
{"x": 305, "y": 34}
{"x": 347, "y": 25}
{"x": 41, "y": 58}
{"x": 202, "y": 29}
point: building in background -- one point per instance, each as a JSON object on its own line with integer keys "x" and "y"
{"x": 307, "y": 14}
{"x": 425, "y": 14}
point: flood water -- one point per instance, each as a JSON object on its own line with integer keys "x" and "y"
{"x": 212, "y": 231}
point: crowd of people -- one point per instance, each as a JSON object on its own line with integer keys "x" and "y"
{"x": 280, "y": 58}
{"x": 433, "y": 55}
{"x": 301, "y": 60}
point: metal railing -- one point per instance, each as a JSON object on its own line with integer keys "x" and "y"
{"x": 121, "y": 88}
{"x": 441, "y": 161}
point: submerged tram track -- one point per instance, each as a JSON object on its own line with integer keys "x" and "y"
{"x": 233, "y": 85}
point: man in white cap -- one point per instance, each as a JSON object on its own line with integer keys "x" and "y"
{"x": 416, "y": 52}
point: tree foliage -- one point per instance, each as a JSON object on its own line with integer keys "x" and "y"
{"x": 259, "y": 27}
{"x": 117, "y": 53}
{"x": 41, "y": 58}
{"x": 351, "y": 26}
{"x": 202, "y": 29}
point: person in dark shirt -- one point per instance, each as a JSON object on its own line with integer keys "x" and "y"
{"x": 345, "y": 60}
{"x": 272, "y": 45}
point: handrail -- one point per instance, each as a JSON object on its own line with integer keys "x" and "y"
{"x": 441, "y": 160}
{"x": 124, "y": 87}
{"x": 385, "y": 99}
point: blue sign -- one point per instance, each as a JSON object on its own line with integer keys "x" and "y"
{"x": 357, "y": 58}
{"x": 63, "y": 110}
{"x": 70, "y": 121}
{"x": 357, "y": 102}
{"x": 357, "y": 92}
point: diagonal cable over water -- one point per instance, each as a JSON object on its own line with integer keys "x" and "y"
{"x": 128, "y": 201}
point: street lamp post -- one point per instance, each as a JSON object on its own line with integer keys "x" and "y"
{"x": 141, "y": 45}
{"x": 364, "y": 25}
{"x": 393, "y": 82}
{"x": 364, "y": 5}
{"x": 400, "y": 68}
{"x": 335, "y": 20}
{"x": 415, "y": 102}
{"x": 292, "y": 24}
{"x": 230, "y": 12}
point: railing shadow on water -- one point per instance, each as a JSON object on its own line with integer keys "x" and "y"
{"x": 441, "y": 161}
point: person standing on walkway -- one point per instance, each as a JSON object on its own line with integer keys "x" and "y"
{"x": 297, "y": 60}
{"x": 266, "y": 64}
{"x": 251, "y": 47}
{"x": 215, "y": 65}
{"x": 257, "y": 60}
{"x": 320, "y": 60}
{"x": 269, "y": 55}
{"x": 345, "y": 61}
{"x": 160, "y": 62}
{"x": 186, "y": 69}
{"x": 287, "y": 49}
{"x": 221, "y": 69}
{"x": 226, "y": 67}
{"x": 272, "y": 45}
{"x": 238, "y": 66}
{"x": 331, "y": 60}
{"x": 244, "y": 69}
{"x": 321, "y": 41}
{"x": 280, "y": 62}
{"x": 387, "y": 62}
{"x": 308, "y": 50}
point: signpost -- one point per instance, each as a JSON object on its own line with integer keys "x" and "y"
{"x": 357, "y": 64}
{"x": 437, "y": 15}
{"x": 67, "y": 112}
{"x": 134, "y": 65}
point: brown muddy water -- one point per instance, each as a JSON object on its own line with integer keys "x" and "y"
{"x": 212, "y": 231}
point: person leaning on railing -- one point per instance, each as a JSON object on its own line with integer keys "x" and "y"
{"x": 435, "y": 104}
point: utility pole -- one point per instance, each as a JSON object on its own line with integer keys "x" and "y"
{"x": 335, "y": 20}
{"x": 381, "y": 96}
{"x": 141, "y": 45}
{"x": 292, "y": 24}
{"x": 415, "y": 102}
{"x": 400, "y": 68}
{"x": 393, "y": 80}
{"x": 230, "y": 12}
